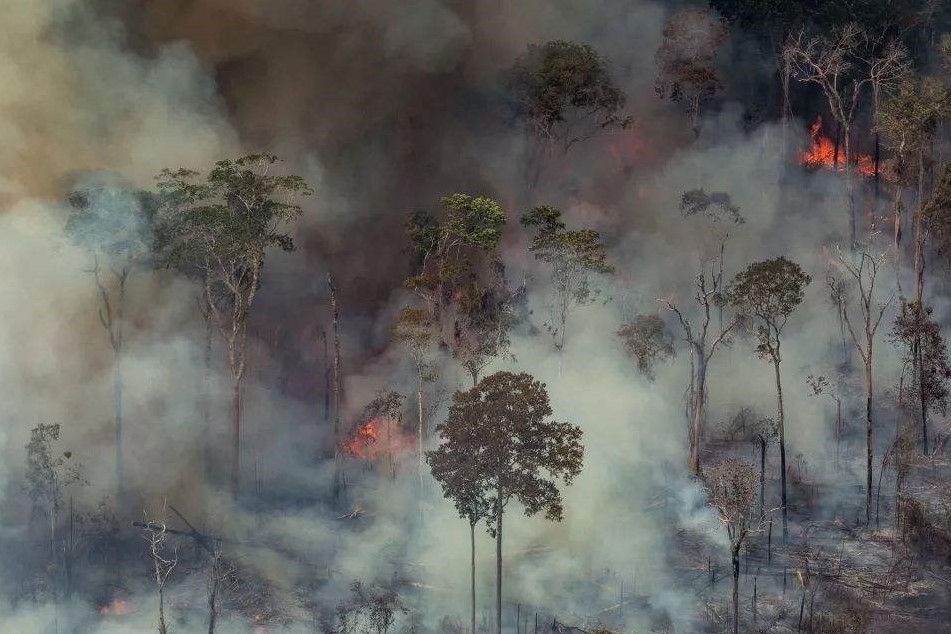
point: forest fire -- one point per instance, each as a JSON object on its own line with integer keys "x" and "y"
{"x": 118, "y": 607}
{"x": 823, "y": 153}
{"x": 363, "y": 443}
{"x": 377, "y": 438}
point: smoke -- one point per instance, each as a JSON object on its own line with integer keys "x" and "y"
{"x": 383, "y": 108}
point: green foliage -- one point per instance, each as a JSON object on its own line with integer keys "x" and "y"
{"x": 573, "y": 257}
{"x": 226, "y": 222}
{"x": 914, "y": 327}
{"x": 909, "y": 119}
{"x": 937, "y": 214}
{"x": 443, "y": 249}
{"x": 48, "y": 473}
{"x": 563, "y": 91}
{"x": 648, "y": 340}
{"x": 768, "y": 291}
{"x": 113, "y": 222}
{"x": 498, "y": 446}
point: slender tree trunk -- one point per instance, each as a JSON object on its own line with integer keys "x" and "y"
{"x": 868, "y": 435}
{"x": 117, "y": 387}
{"x": 339, "y": 483}
{"x": 117, "y": 399}
{"x": 472, "y": 575}
{"x": 762, "y": 475}
{"x": 236, "y": 437}
{"x": 696, "y": 425}
{"x": 419, "y": 428}
{"x": 781, "y": 427}
{"x": 498, "y": 568}
{"x": 849, "y": 184}
{"x": 735, "y": 552}
{"x": 206, "y": 391}
{"x": 162, "y": 628}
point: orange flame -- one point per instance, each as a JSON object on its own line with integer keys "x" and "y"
{"x": 822, "y": 154}
{"x": 118, "y": 607}
{"x": 376, "y": 438}
{"x": 363, "y": 442}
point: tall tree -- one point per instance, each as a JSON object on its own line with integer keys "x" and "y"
{"x": 861, "y": 274}
{"x": 48, "y": 473}
{"x": 574, "y": 257}
{"x": 455, "y": 464}
{"x": 925, "y": 349}
{"x": 563, "y": 93}
{"x": 413, "y": 328}
{"x": 518, "y": 453}
{"x": 731, "y": 489}
{"x": 768, "y": 292}
{"x": 685, "y": 61}
{"x": 223, "y": 225}
{"x": 909, "y": 122}
{"x": 702, "y": 336}
{"x": 114, "y": 225}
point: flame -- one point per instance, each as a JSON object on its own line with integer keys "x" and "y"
{"x": 362, "y": 444}
{"x": 822, "y": 153}
{"x": 118, "y": 607}
{"x": 376, "y": 438}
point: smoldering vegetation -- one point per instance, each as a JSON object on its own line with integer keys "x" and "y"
{"x": 201, "y": 437}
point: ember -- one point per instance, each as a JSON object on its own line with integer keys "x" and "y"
{"x": 118, "y": 607}
{"x": 364, "y": 440}
{"x": 822, "y": 153}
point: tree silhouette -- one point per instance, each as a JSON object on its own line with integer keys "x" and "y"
{"x": 222, "y": 226}
{"x": 499, "y": 447}
{"x": 768, "y": 292}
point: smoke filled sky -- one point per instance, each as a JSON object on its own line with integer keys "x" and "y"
{"x": 384, "y": 107}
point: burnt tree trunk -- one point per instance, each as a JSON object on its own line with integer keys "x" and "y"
{"x": 781, "y": 428}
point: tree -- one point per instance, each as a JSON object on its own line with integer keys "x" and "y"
{"x": 685, "y": 61}
{"x": 563, "y": 94}
{"x": 163, "y": 562}
{"x": 862, "y": 273}
{"x": 909, "y": 121}
{"x": 413, "y": 328}
{"x": 573, "y": 257}
{"x": 731, "y": 489}
{"x": 704, "y": 340}
{"x": 648, "y": 340}
{"x": 114, "y": 225}
{"x": 842, "y": 63}
{"x": 459, "y": 277}
{"x": 501, "y": 425}
{"x": 47, "y": 475}
{"x": 455, "y": 465}
{"x": 926, "y": 350}
{"x": 222, "y": 227}
{"x": 768, "y": 292}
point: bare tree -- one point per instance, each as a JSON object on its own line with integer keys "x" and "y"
{"x": 220, "y": 572}
{"x": 163, "y": 560}
{"x": 114, "y": 225}
{"x": 842, "y": 64}
{"x": 861, "y": 272}
{"x": 703, "y": 337}
{"x": 413, "y": 328}
{"x": 731, "y": 488}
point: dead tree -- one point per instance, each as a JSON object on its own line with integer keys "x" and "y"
{"x": 862, "y": 274}
{"x": 339, "y": 482}
{"x": 731, "y": 487}
{"x": 163, "y": 562}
